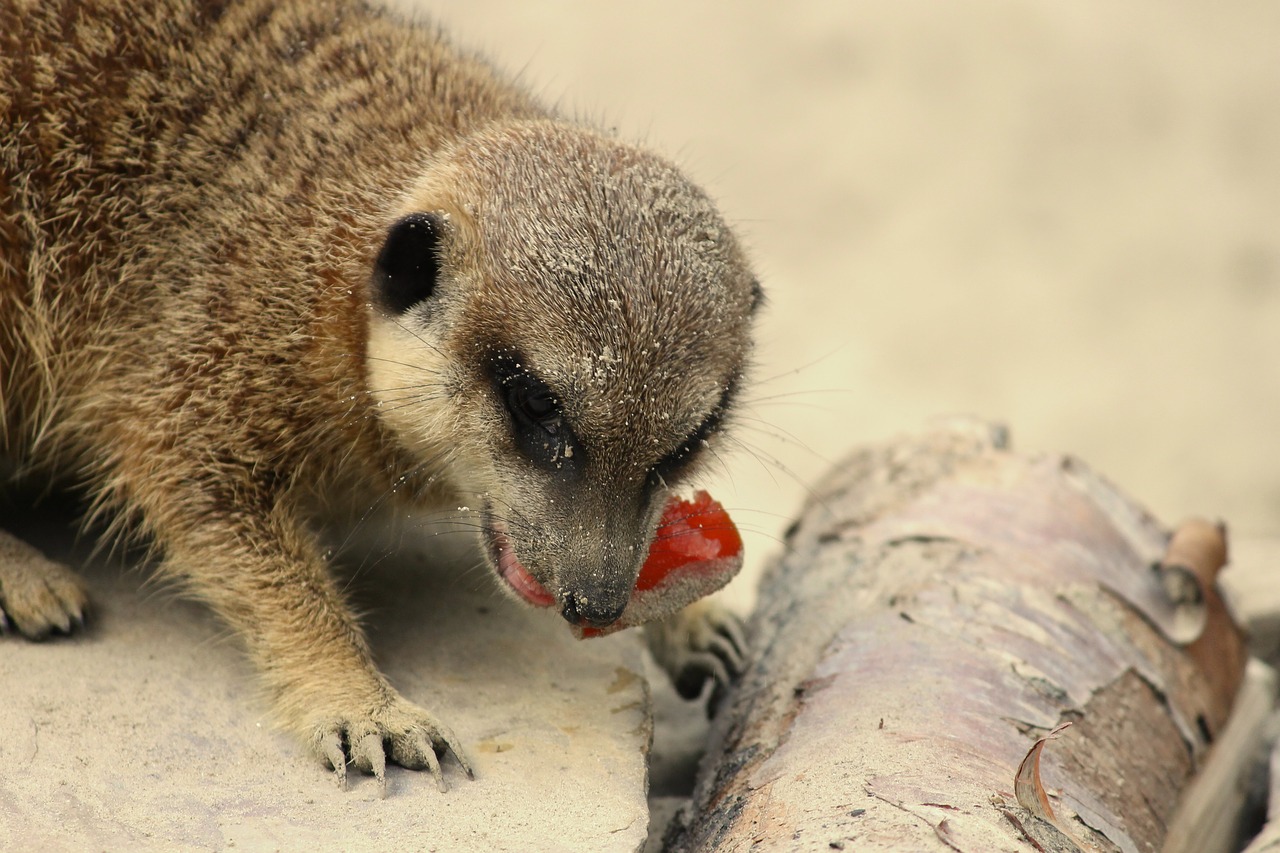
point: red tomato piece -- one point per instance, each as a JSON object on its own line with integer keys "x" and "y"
{"x": 695, "y": 531}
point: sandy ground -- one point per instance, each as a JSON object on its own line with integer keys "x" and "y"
{"x": 148, "y": 732}
{"x": 1065, "y": 216}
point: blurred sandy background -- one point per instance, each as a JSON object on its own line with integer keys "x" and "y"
{"x": 1065, "y": 216}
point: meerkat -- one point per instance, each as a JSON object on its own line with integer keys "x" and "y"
{"x": 259, "y": 259}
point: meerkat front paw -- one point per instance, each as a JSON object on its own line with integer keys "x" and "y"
{"x": 703, "y": 641}
{"x": 37, "y": 596}
{"x": 396, "y": 729}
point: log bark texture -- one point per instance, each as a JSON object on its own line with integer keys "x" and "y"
{"x": 942, "y": 604}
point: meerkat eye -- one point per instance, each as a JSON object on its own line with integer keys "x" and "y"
{"x": 530, "y": 400}
{"x": 539, "y": 428}
{"x": 409, "y": 262}
{"x": 673, "y": 463}
{"x": 679, "y": 459}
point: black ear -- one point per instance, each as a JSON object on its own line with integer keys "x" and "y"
{"x": 406, "y": 269}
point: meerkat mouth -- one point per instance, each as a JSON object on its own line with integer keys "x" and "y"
{"x": 511, "y": 570}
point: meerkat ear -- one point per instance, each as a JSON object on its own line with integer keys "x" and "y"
{"x": 409, "y": 262}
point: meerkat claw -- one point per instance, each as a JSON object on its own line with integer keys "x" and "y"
{"x": 433, "y": 764}
{"x": 704, "y": 642}
{"x": 729, "y": 643}
{"x": 38, "y": 597}
{"x": 417, "y": 751}
{"x": 734, "y": 633}
{"x": 329, "y": 745}
{"x": 445, "y": 739}
{"x": 398, "y": 732}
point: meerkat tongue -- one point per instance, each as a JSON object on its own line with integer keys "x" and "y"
{"x": 518, "y": 577}
{"x": 696, "y": 550}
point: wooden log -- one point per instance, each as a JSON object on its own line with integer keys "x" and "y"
{"x": 1268, "y": 838}
{"x": 1207, "y": 819}
{"x": 1250, "y": 582}
{"x": 944, "y": 603}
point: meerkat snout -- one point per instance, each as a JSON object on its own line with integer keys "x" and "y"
{"x": 580, "y": 608}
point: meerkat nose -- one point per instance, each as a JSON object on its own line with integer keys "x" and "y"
{"x": 595, "y": 612}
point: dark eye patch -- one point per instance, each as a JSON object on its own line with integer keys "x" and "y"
{"x": 537, "y": 422}
{"x": 531, "y": 402}
{"x": 680, "y": 458}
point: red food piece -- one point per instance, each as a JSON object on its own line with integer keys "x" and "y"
{"x": 695, "y": 531}
{"x": 696, "y": 550}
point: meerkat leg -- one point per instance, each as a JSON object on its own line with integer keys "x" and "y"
{"x": 271, "y": 585}
{"x": 38, "y": 597}
{"x": 703, "y": 641}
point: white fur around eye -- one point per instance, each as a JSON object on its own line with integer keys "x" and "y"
{"x": 415, "y": 389}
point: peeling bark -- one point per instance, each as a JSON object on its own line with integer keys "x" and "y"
{"x": 942, "y": 604}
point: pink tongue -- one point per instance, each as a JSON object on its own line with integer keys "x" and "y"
{"x": 521, "y": 581}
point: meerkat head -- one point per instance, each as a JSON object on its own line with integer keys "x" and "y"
{"x": 559, "y": 325}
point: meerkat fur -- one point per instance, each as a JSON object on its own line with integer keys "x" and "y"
{"x": 256, "y": 255}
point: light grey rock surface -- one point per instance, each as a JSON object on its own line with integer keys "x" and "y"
{"x": 146, "y": 732}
